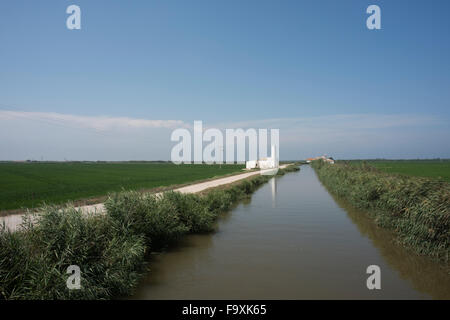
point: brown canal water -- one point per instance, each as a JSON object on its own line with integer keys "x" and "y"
{"x": 292, "y": 240}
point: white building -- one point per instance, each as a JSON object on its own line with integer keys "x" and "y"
{"x": 251, "y": 164}
{"x": 264, "y": 163}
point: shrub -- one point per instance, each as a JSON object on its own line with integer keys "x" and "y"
{"x": 218, "y": 201}
{"x": 192, "y": 210}
{"x": 33, "y": 262}
{"x": 155, "y": 219}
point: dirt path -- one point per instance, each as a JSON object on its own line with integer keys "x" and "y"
{"x": 12, "y": 222}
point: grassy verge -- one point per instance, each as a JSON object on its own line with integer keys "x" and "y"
{"x": 416, "y": 209}
{"x": 112, "y": 249}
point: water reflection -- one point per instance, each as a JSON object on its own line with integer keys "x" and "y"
{"x": 292, "y": 240}
{"x": 424, "y": 274}
{"x": 273, "y": 188}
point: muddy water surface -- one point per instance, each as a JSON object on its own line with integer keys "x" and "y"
{"x": 292, "y": 240}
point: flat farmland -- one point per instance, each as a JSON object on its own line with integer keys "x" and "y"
{"x": 29, "y": 185}
{"x": 436, "y": 169}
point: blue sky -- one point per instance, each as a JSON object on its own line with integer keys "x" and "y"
{"x": 303, "y": 66}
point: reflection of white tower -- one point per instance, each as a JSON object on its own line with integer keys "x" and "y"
{"x": 273, "y": 185}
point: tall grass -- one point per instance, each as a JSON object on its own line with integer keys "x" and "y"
{"x": 416, "y": 209}
{"x": 33, "y": 261}
{"x": 111, "y": 249}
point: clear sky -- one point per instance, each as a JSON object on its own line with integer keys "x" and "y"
{"x": 310, "y": 68}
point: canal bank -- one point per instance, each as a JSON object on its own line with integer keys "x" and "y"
{"x": 417, "y": 209}
{"x": 292, "y": 240}
{"x": 110, "y": 250}
{"x": 13, "y": 222}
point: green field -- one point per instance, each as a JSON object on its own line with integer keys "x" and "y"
{"x": 438, "y": 169}
{"x": 28, "y": 185}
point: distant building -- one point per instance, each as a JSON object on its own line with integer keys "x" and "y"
{"x": 324, "y": 158}
{"x": 264, "y": 163}
{"x": 251, "y": 164}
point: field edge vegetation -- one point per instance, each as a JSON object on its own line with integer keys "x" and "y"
{"x": 416, "y": 209}
{"x": 112, "y": 249}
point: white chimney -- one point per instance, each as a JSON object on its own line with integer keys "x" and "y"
{"x": 273, "y": 156}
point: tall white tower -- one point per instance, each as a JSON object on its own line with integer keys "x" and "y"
{"x": 273, "y": 156}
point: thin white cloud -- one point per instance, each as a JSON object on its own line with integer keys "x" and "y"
{"x": 309, "y": 124}
{"x": 99, "y": 123}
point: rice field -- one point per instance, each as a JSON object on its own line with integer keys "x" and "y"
{"x": 436, "y": 169}
{"x": 29, "y": 185}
